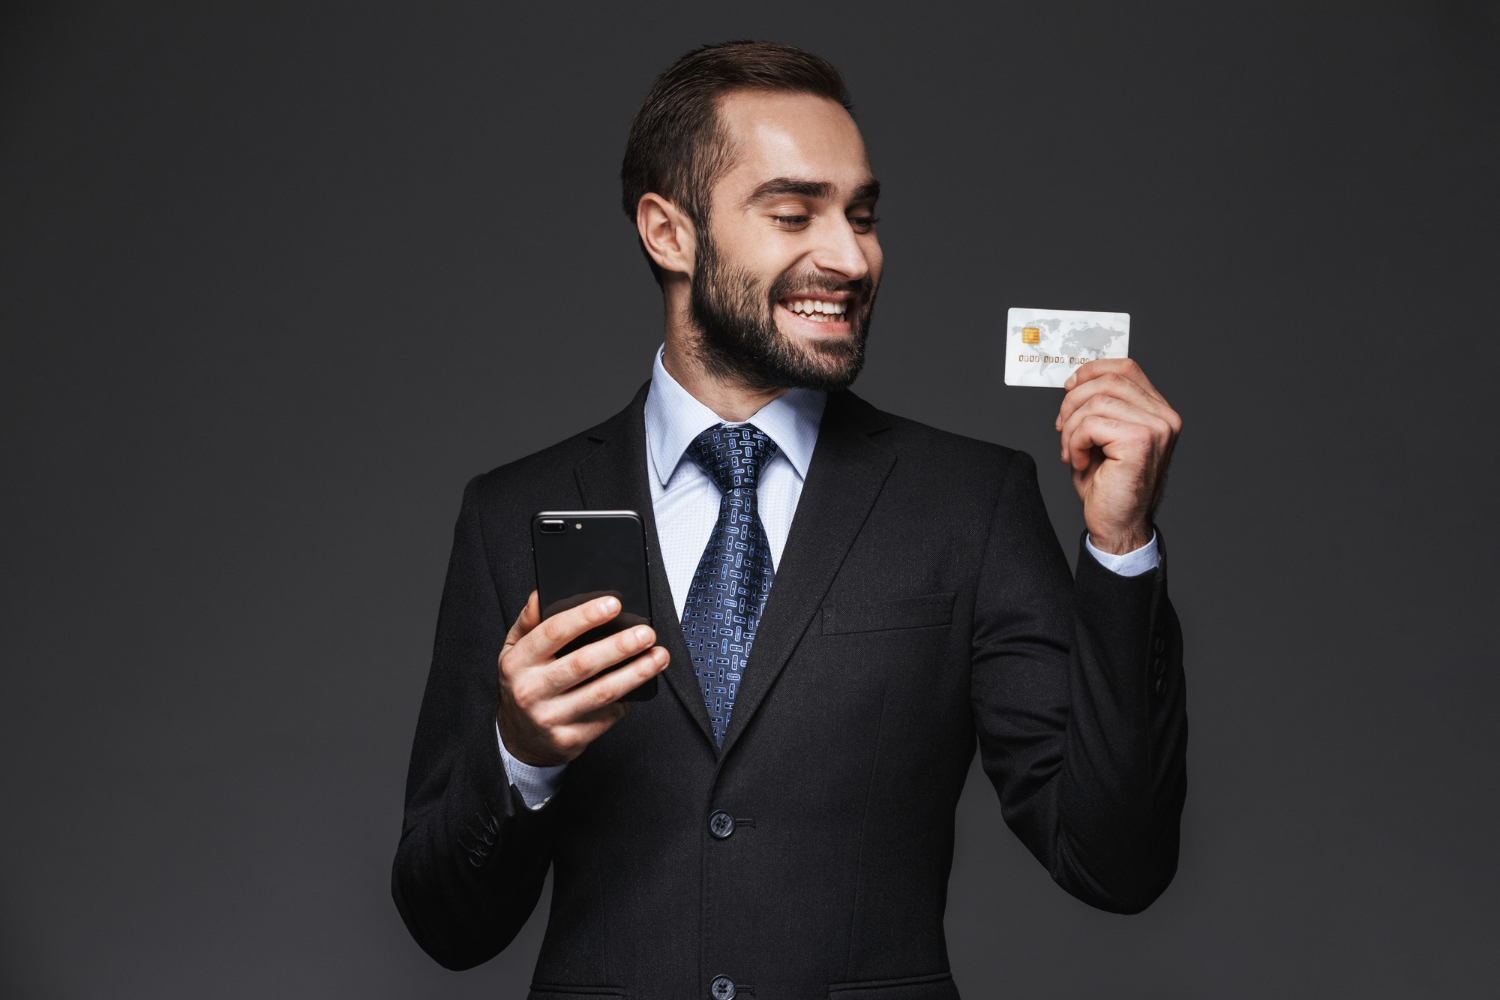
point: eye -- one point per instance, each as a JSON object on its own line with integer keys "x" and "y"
{"x": 863, "y": 223}
{"x": 791, "y": 221}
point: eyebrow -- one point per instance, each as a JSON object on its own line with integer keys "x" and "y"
{"x": 780, "y": 186}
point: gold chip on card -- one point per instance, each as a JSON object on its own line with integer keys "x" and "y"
{"x": 1031, "y": 335}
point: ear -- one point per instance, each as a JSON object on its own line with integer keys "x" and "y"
{"x": 667, "y": 233}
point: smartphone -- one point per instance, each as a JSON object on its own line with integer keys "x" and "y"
{"x": 584, "y": 554}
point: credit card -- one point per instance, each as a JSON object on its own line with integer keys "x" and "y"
{"x": 1044, "y": 346}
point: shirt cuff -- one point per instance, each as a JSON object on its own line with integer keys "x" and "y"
{"x": 536, "y": 784}
{"x": 1142, "y": 560}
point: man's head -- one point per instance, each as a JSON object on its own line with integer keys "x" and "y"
{"x": 752, "y": 194}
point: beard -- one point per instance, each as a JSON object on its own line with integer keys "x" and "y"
{"x": 740, "y": 343}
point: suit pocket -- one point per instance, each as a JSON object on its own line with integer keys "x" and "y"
{"x": 904, "y": 612}
{"x": 935, "y": 987}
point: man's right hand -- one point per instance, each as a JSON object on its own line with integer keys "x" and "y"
{"x": 552, "y": 707}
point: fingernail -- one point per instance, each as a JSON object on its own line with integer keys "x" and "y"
{"x": 659, "y": 655}
{"x": 1069, "y": 383}
{"x": 609, "y": 605}
{"x": 642, "y": 634}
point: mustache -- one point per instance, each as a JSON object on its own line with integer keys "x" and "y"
{"x": 860, "y": 289}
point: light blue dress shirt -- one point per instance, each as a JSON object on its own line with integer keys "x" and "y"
{"x": 685, "y": 504}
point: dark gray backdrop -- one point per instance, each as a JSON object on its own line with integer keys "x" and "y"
{"x": 278, "y": 278}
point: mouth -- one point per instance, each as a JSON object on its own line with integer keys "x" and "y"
{"x": 822, "y": 313}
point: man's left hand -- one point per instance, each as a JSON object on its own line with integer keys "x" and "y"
{"x": 1117, "y": 434}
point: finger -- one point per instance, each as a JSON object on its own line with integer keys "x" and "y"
{"x": 590, "y": 727}
{"x": 1126, "y": 367}
{"x": 556, "y": 631}
{"x": 572, "y": 706}
{"x": 1083, "y": 434}
{"x": 610, "y": 714}
{"x": 1109, "y": 382}
{"x": 1126, "y": 411}
{"x": 527, "y": 620}
{"x": 1115, "y": 438}
{"x": 583, "y": 663}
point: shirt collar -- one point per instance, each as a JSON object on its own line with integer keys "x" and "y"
{"x": 674, "y": 418}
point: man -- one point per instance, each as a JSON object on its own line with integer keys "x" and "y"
{"x": 778, "y": 822}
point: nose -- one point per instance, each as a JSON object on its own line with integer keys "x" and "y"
{"x": 839, "y": 250}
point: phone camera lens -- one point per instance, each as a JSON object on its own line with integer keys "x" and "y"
{"x": 551, "y": 526}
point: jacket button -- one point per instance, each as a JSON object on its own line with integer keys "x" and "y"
{"x": 1161, "y": 644}
{"x": 1160, "y": 685}
{"x": 1160, "y": 665}
{"x": 722, "y": 988}
{"x": 721, "y": 825}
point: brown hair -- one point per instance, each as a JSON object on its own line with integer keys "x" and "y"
{"x": 676, "y": 146}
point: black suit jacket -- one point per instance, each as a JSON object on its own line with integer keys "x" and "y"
{"x": 921, "y": 603}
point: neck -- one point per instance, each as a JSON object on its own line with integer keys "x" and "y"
{"x": 731, "y": 401}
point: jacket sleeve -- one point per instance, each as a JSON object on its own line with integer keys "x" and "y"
{"x": 1079, "y": 704}
{"x": 472, "y": 858}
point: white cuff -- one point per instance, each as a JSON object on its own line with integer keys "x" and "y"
{"x": 1142, "y": 560}
{"x": 536, "y": 784}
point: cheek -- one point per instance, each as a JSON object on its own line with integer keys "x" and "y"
{"x": 746, "y": 240}
{"x": 875, "y": 257}
{"x": 758, "y": 254}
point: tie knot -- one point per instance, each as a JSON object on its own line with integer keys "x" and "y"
{"x": 732, "y": 455}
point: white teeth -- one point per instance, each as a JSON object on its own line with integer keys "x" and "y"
{"x": 816, "y": 309}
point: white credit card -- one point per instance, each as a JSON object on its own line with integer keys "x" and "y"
{"x": 1044, "y": 346}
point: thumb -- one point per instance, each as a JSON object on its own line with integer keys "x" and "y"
{"x": 530, "y": 618}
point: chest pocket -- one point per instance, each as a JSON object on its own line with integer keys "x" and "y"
{"x": 904, "y": 612}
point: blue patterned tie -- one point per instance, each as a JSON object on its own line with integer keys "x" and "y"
{"x": 734, "y": 576}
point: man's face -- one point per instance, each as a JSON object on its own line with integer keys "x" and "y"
{"x": 785, "y": 276}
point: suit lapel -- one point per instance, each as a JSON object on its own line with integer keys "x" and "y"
{"x": 844, "y": 477}
{"x": 614, "y": 478}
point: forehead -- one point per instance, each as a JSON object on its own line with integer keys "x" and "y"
{"x": 800, "y": 136}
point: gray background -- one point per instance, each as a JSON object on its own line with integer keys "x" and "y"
{"x": 276, "y": 279}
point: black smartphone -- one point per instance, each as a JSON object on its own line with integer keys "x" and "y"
{"x": 584, "y": 554}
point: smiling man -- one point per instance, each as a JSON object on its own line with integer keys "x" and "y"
{"x": 845, "y": 603}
